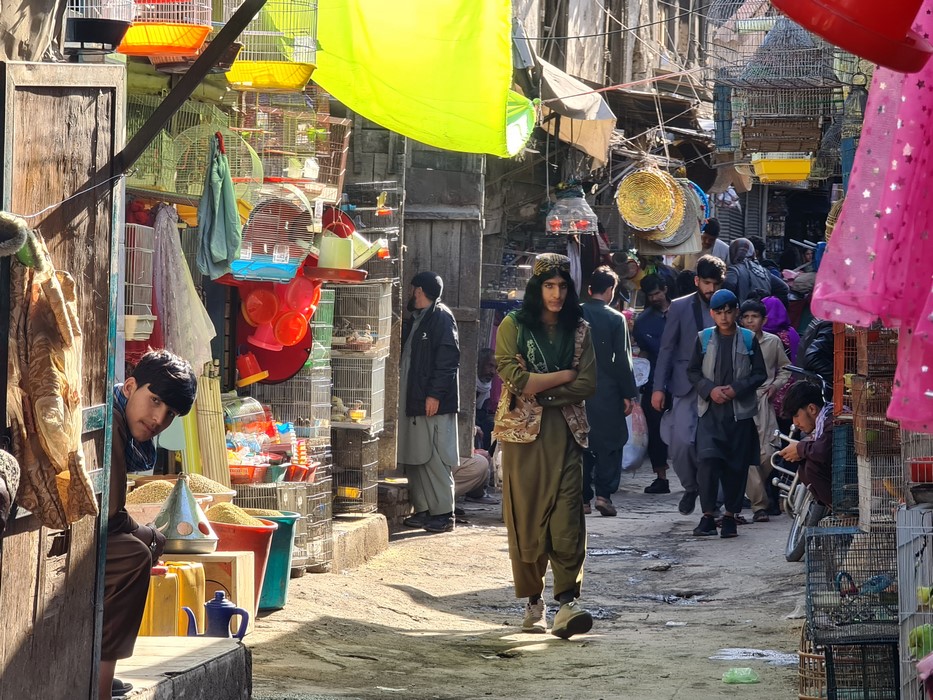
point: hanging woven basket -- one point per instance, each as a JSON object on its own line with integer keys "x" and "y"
{"x": 647, "y": 200}
{"x": 833, "y": 216}
{"x": 689, "y": 218}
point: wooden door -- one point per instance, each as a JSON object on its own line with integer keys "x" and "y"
{"x": 63, "y": 124}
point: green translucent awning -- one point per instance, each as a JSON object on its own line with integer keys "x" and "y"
{"x": 436, "y": 72}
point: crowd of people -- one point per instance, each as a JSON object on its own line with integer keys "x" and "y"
{"x": 718, "y": 342}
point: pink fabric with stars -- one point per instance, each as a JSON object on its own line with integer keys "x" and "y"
{"x": 879, "y": 262}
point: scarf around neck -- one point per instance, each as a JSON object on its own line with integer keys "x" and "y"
{"x": 140, "y": 456}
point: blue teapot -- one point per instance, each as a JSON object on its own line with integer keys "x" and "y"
{"x": 217, "y": 613}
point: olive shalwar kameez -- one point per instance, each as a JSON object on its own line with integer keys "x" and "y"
{"x": 543, "y": 480}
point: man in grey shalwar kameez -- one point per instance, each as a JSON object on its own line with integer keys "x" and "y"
{"x": 428, "y": 448}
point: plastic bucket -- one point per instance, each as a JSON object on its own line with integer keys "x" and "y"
{"x": 278, "y": 571}
{"x": 245, "y": 538}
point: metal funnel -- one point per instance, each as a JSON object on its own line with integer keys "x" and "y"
{"x": 184, "y": 524}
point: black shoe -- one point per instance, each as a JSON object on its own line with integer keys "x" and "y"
{"x": 120, "y": 689}
{"x": 688, "y": 502}
{"x": 729, "y": 527}
{"x": 416, "y": 519}
{"x": 439, "y": 523}
{"x": 707, "y": 527}
{"x": 658, "y": 486}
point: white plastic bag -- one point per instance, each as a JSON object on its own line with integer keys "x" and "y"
{"x": 633, "y": 454}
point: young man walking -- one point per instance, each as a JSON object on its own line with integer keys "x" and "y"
{"x": 726, "y": 369}
{"x": 686, "y": 317}
{"x": 615, "y": 393}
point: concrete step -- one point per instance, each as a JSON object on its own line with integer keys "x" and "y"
{"x": 357, "y": 539}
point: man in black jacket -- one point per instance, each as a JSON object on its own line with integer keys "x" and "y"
{"x": 428, "y": 446}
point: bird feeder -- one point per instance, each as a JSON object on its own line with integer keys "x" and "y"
{"x": 279, "y": 46}
{"x": 173, "y": 28}
{"x": 571, "y": 213}
{"x": 96, "y": 25}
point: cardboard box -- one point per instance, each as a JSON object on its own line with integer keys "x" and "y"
{"x": 232, "y": 573}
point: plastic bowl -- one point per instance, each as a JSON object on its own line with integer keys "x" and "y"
{"x": 247, "y": 473}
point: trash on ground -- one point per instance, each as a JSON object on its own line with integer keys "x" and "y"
{"x": 775, "y": 658}
{"x": 740, "y": 675}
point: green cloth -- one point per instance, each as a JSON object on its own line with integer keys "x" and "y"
{"x": 545, "y": 351}
{"x": 437, "y": 72}
{"x": 219, "y": 227}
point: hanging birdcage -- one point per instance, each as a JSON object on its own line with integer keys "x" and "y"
{"x": 96, "y": 26}
{"x": 826, "y": 164}
{"x": 278, "y": 236}
{"x": 176, "y": 27}
{"x": 284, "y": 130}
{"x": 279, "y": 46}
{"x": 192, "y": 150}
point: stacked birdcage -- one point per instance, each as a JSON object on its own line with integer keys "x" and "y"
{"x": 845, "y": 366}
{"x": 279, "y": 46}
{"x": 319, "y": 535}
{"x": 358, "y": 396}
{"x": 506, "y": 281}
{"x": 139, "y": 319}
{"x": 356, "y": 471}
{"x": 845, "y": 468}
{"x": 363, "y": 320}
{"x": 862, "y": 671}
{"x": 915, "y": 593}
{"x": 375, "y": 208}
{"x": 283, "y": 128}
{"x": 290, "y": 497}
{"x": 852, "y": 586}
{"x": 192, "y": 156}
{"x": 298, "y": 401}
{"x": 167, "y": 27}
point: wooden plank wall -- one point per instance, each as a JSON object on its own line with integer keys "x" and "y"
{"x": 63, "y": 134}
{"x": 444, "y": 233}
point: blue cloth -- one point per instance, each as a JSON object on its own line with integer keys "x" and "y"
{"x": 140, "y": 456}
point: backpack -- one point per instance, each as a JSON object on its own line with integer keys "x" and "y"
{"x": 758, "y": 279}
{"x": 707, "y": 333}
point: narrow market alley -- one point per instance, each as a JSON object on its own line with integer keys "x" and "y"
{"x": 434, "y": 616}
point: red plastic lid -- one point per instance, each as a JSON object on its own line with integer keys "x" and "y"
{"x": 335, "y": 274}
{"x": 302, "y": 293}
{"x": 907, "y": 55}
{"x": 282, "y": 364}
{"x": 290, "y": 328}
{"x": 260, "y": 306}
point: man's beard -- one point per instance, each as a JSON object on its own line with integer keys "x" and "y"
{"x": 411, "y": 305}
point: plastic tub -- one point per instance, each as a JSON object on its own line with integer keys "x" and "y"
{"x": 248, "y": 473}
{"x": 245, "y": 538}
{"x": 275, "y": 473}
{"x": 278, "y": 571}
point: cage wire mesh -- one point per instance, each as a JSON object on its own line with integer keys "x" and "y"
{"x": 876, "y": 349}
{"x": 167, "y": 27}
{"x": 862, "y": 671}
{"x": 303, "y": 400}
{"x": 826, "y": 163}
{"x": 915, "y": 585}
{"x": 322, "y": 329}
{"x": 845, "y": 468}
{"x": 845, "y": 365}
{"x": 851, "y": 585}
{"x": 319, "y": 536}
{"x": 356, "y": 471}
{"x": 291, "y": 497}
{"x": 376, "y": 211}
{"x": 363, "y": 319}
{"x": 881, "y": 490}
{"x": 192, "y": 149}
{"x": 284, "y": 129}
{"x": 917, "y": 459}
{"x": 875, "y": 434}
{"x": 140, "y": 249}
{"x": 279, "y": 46}
{"x": 100, "y": 9}
{"x": 358, "y": 385}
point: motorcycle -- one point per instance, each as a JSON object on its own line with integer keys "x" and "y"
{"x": 798, "y": 500}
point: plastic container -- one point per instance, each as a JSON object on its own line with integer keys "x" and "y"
{"x": 160, "y": 618}
{"x": 275, "y": 473}
{"x": 245, "y": 538}
{"x": 782, "y": 167}
{"x": 300, "y": 472}
{"x": 921, "y": 470}
{"x": 278, "y": 570}
{"x": 191, "y": 593}
{"x": 244, "y": 414}
{"x": 248, "y": 473}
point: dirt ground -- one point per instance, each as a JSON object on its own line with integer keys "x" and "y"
{"x": 435, "y": 617}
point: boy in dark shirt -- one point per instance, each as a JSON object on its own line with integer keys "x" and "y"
{"x": 726, "y": 369}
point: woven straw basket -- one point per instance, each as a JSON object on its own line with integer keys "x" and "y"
{"x": 648, "y": 199}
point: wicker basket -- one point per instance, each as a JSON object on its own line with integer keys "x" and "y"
{"x": 647, "y": 199}
{"x": 811, "y": 669}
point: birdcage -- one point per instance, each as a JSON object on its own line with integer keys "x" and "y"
{"x": 917, "y": 459}
{"x": 845, "y": 467}
{"x": 915, "y": 593}
{"x": 876, "y": 349}
{"x": 844, "y": 366}
{"x": 358, "y": 395}
{"x": 753, "y": 45}
{"x": 851, "y": 585}
{"x": 811, "y": 668}
{"x": 140, "y": 249}
{"x": 278, "y": 235}
{"x": 875, "y": 433}
{"x": 882, "y": 489}
{"x": 781, "y": 167}
{"x": 292, "y": 497}
{"x": 284, "y": 129}
{"x": 332, "y": 159}
{"x": 303, "y": 400}
{"x": 866, "y": 671}
{"x": 319, "y": 535}
{"x": 96, "y": 26}
{"x": 777, "y": 135}
{"x": 375, "y": 208}
{"x": 279, "y": 46}
{"x": 356, "y": 471}
{"x": 172, "y": 27}
{"x": 322, "y": 330}
{"x": 363, "y": 319}
{"x": 826, "y": 163}
{"x": 192, "y": 152}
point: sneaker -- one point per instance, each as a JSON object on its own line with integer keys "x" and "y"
{"x": 658, "y": 486}
{"x": 571, "y": 619}
{"x": 439, "y": 523}
{"x": 688, "y": 502}
{"x": 729, "y": 527}
{"x": 604, "y": 506}
{"x": 485, "y": 499}
{"x": 416, "y": 519}
{"x": 535, "y": 621}
{"x": 707, "y": 527}
{"x": 586, "y": 508}
{"x": 760, "y": 516}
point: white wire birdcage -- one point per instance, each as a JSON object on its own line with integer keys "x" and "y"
{"x": 363, "y": 319}
{"x": 192, "y": 149}
{"x": 279, "y": 46}
{"x": 284, "y": 130}
{"x": 358, "y": 397}
{"x": 356, "y": 471}
{"x": 172, "y": 27}
{"x": 278, "y": 235}
{"x": 303, "y": 400}
{"x": 752, "y": 45}
{"x": 332, "y": 159}
{"x": 322, "y": 330}
{"x": 140, "y": 250}
{"x": 915, "y": 586}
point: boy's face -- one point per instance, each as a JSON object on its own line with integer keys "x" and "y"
{"x": 146, "y": 414}
{"x": 724, "y": 317}
{"x": 753, "y": 321}
{"x": 805, "y": 418}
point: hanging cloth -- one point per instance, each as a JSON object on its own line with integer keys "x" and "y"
{"x": 219, "y": 227}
